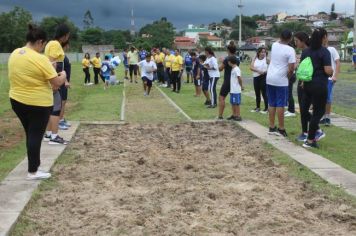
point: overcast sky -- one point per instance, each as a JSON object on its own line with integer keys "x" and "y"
{"x": 115, "y": 14}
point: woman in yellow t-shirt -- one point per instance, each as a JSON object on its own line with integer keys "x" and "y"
{"x": 168, "y": 64}
{"x": 32, "y": 78}
{"x": 96, "y": 62}
{"x": 86, "y": 65}
{"x": 177, "y": 70}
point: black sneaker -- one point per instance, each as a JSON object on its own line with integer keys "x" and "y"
{"x": 314, "y": 144}
{"x": 220, "y": 118}
{"x": 57, "y": 140}
{"x": 237, "y": 118}
{"x": 327, "y": 122}
{"x": 282, "y": 132}
{"x": 211, "y": 106}
{"x": 46, "y": 138}
{"x": 207, "y": 103}
{"x": 273, "y": 131}
{"x": 322, "y": 121}
{"x": 230, "y": 118}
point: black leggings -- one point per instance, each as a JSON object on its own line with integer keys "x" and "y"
{"x": 212, "y": 87}
{"x": 87, "y": 75}
{"x": 169, "y": 77}
{"x": 307, "y": 115}
{"x": 34, "y": 120}
{"x": 291, "y": 105}
{"x": 160, "y": 73}
{"x": 176, "y": 81}
{"x": 315, "y": 94}
{"x": 97, "y": 74}
{"x": 259, "y": 84}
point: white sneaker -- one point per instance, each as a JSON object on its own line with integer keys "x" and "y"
{"x": 38, "y": 176}
{"x": 289, "y": 114}
{"x": 145, "y": 94}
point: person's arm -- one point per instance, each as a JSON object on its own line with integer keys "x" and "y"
{"x": 291, "y": 68}
{"x": 252, "y": 67}
{"x": 58, "y": 81}
{"x": 222, "y": 67}
{"x": 337, "y": 70}
{"x": 198, "y": 73}
{"x": 240, "y": 82}
{"x": 327, "y": 63}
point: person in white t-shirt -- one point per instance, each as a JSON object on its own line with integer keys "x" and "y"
{"x": 280, "y": 70}
{"x": 148, "y": 67}
{"x": 214, "y": 75}
{"x": 235, "y": 88}
{"x": 335, "y": 64}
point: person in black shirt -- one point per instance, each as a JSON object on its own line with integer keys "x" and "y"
{"x": 225, "y": 88}
{"x": 316, "y": 90}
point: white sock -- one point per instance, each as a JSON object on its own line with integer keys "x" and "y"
{"x": 48, "y": 133}
{"x": 62, "y": 120}
{"x": 53, "y": 136}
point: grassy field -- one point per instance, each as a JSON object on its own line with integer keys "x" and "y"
{"x": 85, "y": 103}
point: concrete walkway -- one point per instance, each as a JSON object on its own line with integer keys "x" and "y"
{"x": 337, "y": 120}
{"x": 16, "y": 191}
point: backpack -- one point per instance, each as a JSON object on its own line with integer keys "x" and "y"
{"x": 305, "y": 70}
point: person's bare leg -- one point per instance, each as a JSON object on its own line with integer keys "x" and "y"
{"x": 207, "y": 95}
{"x": 236, "y": 110}
{"x": 61, "y": 115}
{"x": 272, "y": 113}
{"x": 199, "y": 91}
{"x": 53, "y": 124}
{"x": 145, "y": 87}
{"x": 148, "y": 90}
{"x": 280, "y": 114}
{"x": 221, "y": 105}
{"x": 328, "y": 109}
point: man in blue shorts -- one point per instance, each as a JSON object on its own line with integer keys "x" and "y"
{"x": 279, "y": 72}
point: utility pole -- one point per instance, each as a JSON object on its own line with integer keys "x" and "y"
{"x": 354, "y": 44}
{"x": 240, "y": 6}
{"x": 132, "y": 31}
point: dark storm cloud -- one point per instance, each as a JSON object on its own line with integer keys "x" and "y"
{"x": 113, "y": 14}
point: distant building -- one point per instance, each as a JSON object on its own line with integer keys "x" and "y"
{"x": 295, "y": 19}
{"x": 281, "y": 16}
{"x": 335, "y": 36}
{"x": 193, "y": 31}
{"x": 184, "y": 43}
{"x": 92, "y": 49}
{"x": 212, "y": 40}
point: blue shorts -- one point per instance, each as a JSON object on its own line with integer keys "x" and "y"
{"x": 277, "y": 96}
{"x": 205, "y": 84}
{"x": 235, "y": 98}
{"x": 330, "y": 91}
{"x": 107, "y": 78}
{"x": 126, "y": 67}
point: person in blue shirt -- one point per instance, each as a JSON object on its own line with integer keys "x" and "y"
{"x": 126, "y": 63}
{"x": 354, "y": 56}
{"x": 142, "y": 54}
{"x": 188, "y": 62}
{"x": 106, "y": 70}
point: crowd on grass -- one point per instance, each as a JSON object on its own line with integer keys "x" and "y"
{"x": 39, "y": 82}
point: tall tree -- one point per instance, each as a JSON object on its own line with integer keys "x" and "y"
{"x": 92, "y": 36}
{"x": 88, "y": 20}
{"x": 14, "y": 26}
{"x": 160, "y": 33}
{"x": 333, "y": 15}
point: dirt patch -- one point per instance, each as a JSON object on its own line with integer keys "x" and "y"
{"x": 11, "y": 131}
{"x": 186, "y": 179}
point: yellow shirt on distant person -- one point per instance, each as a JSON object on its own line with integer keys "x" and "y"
{"x": 96, "y": 62}
{"x": 54, "y": 51}
{"x": 177, "y": 63}
{"x": 168, "y": 60}
{"x": 132, "y": 57}
{"x": 159, "y": 58}
{"x": 29, "y": 75}
{"x": 85, "y": 63}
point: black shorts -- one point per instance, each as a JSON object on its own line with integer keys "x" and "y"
{"x": 133, "y": 69}
{"x": 225, "y": 89}
{"x": 63, "y": 92}
{"x": 147, "y": 81}
{"x": 206, "y": 84}
{"x": 197, "y": 82}
{"x": 188, "y": 69}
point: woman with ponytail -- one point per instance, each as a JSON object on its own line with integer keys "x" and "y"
{"x": 32, "y": 78}
{"x": 212, "y": 66}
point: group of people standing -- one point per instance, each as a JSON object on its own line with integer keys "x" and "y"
{"x": 38, "y": 91}
{"x": 274, "y": 79}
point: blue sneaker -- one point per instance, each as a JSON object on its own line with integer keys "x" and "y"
{"x": 319, "y": 135}
{"x": 302, "y": 137}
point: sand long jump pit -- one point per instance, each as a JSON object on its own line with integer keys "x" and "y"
{"x": 184, "y": 179}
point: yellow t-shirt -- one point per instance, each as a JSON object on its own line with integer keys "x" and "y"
{"x": 168, "y": 60}
{"x": 177, "y": 63}
{"x": 96, "y": 62}
{"x": 29, "y": 75}
{"x": 54, "y": 51}
{"x": 159, "y": 58}
{"x": 133, "y": 57}
{"x": 85, "y": 63}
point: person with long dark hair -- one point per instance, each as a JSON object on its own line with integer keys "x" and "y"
{"x": 31, "y": 77}
{"x": 56, "y": 55}
{"x": 302, "y": 42}
{"x": 86, "y": 66}
{"x": 315, "y": 92}
{"x": 212, "y": 66}
{"x": 259, "y": 66}
{"x": 225, "y": 88}
{"x": 280, "y": 70}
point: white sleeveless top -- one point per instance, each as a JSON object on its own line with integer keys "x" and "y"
{"x": 260, "y": 65}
